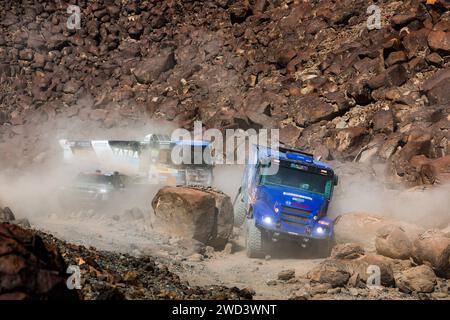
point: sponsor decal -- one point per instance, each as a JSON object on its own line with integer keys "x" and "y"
{"x": 296, "y": 195}
{"x": 125, "y": 153}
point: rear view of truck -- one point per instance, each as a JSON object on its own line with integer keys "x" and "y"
{"x": 285, "y": 195}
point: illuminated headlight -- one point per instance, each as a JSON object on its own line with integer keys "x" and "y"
{"x": 320, "y": 230}
{"x": 102, "y": 190}
{"x": 268, "y": 220}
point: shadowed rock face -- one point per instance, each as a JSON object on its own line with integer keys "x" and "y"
{"x": 29, "y": 269}
{"x": 33, "y": 266}
{"x": 247, "y": 64}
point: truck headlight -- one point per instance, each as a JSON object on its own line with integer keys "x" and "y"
{"x": 268, "y": 220}
{"x": 103, "y": 190}
{"x": 320, "y": 230}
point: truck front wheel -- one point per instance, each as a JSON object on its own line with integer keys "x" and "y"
{"x": 239, "y": 210}
{"x": 254, "y": 240}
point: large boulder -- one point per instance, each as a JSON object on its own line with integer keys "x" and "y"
{"x": 432, "y": 170}
{"x": 419, "y": 141}
{"x": 225, "y": 219}
{"x": 29, "y": 269}
{"x": 439, "y": 41}
{"x": 383, "y": 121}
{"x": 349, "y": 139}
{"x": 194, "y": 213}
{"x": 286, "y": 275}
{"x": 151, "y": 67}
{"x": 438, "y": 169}
{"x": 347, "y": 251}
{"x": 364, "y": 268}
{"x": 393, "y": 242}
{"x": 417, "y": 279}
{"x": 435, "y": 86}
{"x": 433, "y": 248}
{"x": 361, "y": 228}
{"x": 313, "y": 109}
{"x": 339, "y": 272}
{"x": 334, "y": 272}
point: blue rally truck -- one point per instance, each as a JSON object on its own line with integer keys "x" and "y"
{"x": 285, "y": 195}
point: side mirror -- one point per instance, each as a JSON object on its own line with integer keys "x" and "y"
{"x": 335, "y": 180}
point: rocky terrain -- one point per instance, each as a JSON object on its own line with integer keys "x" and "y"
{"x": 29, "y": 269}
{"x": 312, "y": 69}
{"x": 151, "y": 263}
{"x": 33, "y": 265}
{"x": 108, "y": 275}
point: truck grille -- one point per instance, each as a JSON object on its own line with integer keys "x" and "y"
{"x": 296, "y": 211}
{"x": 295, "y": 215}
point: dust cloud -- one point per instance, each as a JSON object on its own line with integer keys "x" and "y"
{"x": 228, "y": 179}
{"x": 32, "y": 171}
{"x": 367, "y": 189}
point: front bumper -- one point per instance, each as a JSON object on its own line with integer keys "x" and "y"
{"x": 310, "y": 229}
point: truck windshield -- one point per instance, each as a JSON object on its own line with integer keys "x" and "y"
{"x": 299, "y": 179}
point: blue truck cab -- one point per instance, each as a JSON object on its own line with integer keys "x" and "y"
{"x": 285, "y": 195}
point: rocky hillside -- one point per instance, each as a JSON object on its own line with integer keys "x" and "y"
{"x": 310, "y": 68}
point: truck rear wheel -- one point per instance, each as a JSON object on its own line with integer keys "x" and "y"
{"x": 254, "y": 240}
{"x": 239, "y": 210}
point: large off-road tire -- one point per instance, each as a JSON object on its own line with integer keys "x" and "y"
{"x": 239, "y": 210}
{"x": 254, "y": 240}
